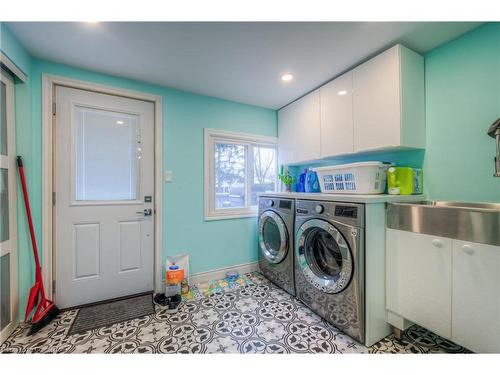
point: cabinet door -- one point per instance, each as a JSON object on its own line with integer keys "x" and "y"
{"x": 376, "y": 102}
{"x": 476, "y": 296}
{"x": 336, "y": 117}
{"x": 419, "y": 279}
{"x": 299, "y": 130}
{"x": 286, "y": 133}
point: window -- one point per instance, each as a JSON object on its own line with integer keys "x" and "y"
{"x": 107, "y": 155}
{"x": 238, "y": 167}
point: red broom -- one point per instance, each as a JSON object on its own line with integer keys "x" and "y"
{"x": 46, "y": 309}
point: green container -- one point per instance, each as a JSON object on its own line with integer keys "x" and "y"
{"x": 404, "y": 181}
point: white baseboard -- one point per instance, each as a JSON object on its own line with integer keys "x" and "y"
{"x": 221, "y": 272}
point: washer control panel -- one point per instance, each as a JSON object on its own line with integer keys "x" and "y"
{"x": 319, "y": 209}
{"x": 349, "y": 213}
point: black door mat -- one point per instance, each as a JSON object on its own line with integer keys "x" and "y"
{"x": 109, "y": 313}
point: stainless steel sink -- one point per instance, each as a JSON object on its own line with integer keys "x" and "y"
{"x": 474, "y": 222}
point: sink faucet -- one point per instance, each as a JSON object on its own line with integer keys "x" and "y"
{"x": 494, "y": 132}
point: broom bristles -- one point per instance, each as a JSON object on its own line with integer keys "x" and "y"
{"x": 47, "y": 317}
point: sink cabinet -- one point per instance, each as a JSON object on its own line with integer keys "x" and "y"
{"x": 448, "y": 286}
{"x": 476, "y": 296}
{"x": 419, "y": 279}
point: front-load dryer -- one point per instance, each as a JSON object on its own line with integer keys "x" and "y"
{"x": 329, "y": 262}
{"x": 276, "y": 257}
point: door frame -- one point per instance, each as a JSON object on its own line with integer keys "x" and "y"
{"x": 49, "y": 83}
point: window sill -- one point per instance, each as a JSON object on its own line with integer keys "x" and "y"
{"x": 229, "y": 215}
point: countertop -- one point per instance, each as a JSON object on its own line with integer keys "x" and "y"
{"x": 354, "y": 198}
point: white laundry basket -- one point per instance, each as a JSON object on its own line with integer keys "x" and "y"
{"x": 369, "y": 177}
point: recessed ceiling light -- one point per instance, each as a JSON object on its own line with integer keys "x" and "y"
{"x": 286, "y": 77}
{"x": 343, "y": 92}
{"x": 119, "y": 122}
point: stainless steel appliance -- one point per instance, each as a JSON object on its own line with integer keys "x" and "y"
{"x": 329, "y": 262}
{"x": 474, "y": 222}
{"x": 276, "y": 220}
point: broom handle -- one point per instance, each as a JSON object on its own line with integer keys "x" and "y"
{"x": 30, "y": 220}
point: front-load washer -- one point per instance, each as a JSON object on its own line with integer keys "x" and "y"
{"x": 276, "y": 220}
{"x": 329, "y": 262}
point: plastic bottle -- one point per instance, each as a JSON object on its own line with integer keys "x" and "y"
{"x": 301, "y": 185}
{"x": 312, "y": 182}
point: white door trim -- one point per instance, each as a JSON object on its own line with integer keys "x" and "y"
{"x": 48, "y": 98}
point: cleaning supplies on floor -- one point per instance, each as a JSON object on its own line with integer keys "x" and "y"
{"x": 181, "y": 260}
{"x": 232, "y": 276}
{"x": 404, "y": 181}
{"x": 179, "y": 263}
{"x": 174, "y": 278}
{"x": 312, "y": 182}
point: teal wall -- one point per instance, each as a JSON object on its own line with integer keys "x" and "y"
{"x": 462, "y": 80}
{"x": 211, "y": 244}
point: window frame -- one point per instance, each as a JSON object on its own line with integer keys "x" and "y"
{"x": 214, "y": 136}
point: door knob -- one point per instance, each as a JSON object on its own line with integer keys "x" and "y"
{"x": 146, "y": 212}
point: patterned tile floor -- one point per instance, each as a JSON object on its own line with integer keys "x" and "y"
{"x": 255, "y": 318}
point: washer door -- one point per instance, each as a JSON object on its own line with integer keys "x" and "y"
{"x": 324, "y": 256}
{"x": 273, "y": 237}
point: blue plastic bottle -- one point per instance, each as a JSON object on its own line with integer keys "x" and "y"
{"x": 312, "y": 182}
{"x": 301, "y": 185}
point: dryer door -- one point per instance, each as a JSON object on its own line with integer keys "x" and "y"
{"x": 324, "y": 256}
{"x": 273, "y": 237}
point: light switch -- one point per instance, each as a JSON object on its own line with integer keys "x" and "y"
{"x": 168, "y": 176}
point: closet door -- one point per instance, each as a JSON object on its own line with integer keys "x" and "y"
{"x": 8, "y": 223}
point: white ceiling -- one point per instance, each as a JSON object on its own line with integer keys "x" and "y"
{"x": 235, "y": 61}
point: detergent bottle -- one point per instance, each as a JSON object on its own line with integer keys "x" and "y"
{"x": 312, "y": 182}
{"x": 301, "y": 185}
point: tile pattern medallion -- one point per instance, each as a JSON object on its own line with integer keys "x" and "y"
{"x": 257, "y": 317}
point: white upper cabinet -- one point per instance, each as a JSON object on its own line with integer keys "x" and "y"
{"x": 388, "y": 101}
{"x": 378, "y": 105}
{"x": 299, "y": 130}
{"x": 336, "y": 116}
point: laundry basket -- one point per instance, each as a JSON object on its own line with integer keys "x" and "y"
{"x": 367, "y": 177}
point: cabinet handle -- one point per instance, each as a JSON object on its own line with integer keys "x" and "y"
{"x": 468, "y": 249}
{"x": 437, "y": 243}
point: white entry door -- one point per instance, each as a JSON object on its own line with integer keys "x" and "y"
{"x": 104, "y": 196}
{"x": 8, "y": 222}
